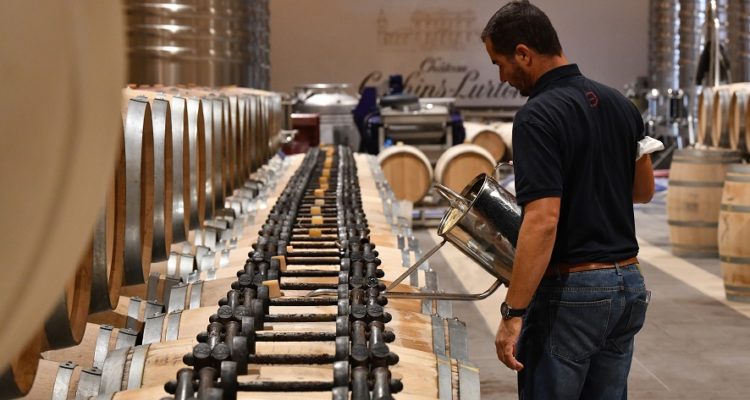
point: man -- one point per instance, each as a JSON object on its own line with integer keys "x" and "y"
{"x": 576, "y": 297}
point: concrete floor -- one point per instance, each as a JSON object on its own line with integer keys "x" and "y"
{"x": 695, "y": 344}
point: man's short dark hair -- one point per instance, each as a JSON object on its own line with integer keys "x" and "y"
{"x": 520, "y": 22}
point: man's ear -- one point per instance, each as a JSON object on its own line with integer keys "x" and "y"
{"x": 523, "y": 54}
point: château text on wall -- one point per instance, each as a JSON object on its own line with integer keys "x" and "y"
{"x": 434, "y": 45}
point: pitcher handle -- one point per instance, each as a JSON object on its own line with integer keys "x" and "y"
{"x": 454, "y": 199}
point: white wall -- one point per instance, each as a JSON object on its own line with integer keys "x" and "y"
{"x": 338, "y": 41}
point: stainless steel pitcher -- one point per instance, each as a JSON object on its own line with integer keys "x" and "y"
{"x": 483, "y": 222}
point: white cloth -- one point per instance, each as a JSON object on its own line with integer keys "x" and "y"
{"x": 648, "y": 145}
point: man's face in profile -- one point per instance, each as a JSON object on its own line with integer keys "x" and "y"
{"x": 509, "y": 70}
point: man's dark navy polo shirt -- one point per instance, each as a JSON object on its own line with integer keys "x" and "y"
{"x": 576, "y": 139}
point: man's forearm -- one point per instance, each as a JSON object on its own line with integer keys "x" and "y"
{"x": 536, "y": 240}
{"x": 643, "y": 180}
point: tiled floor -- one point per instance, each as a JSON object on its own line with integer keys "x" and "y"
{"x": 695, "y": 344}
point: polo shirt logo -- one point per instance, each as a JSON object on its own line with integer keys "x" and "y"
{"x": 592, "y": 98}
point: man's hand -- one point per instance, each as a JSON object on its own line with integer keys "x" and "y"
{"x": 505, "y": 342}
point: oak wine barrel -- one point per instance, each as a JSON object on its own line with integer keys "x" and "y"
{"x": 696, "y": 180}
{"x": 212, "y": 119}
{"x": 505, "y": 129}
{"x": 243, "y": 154}
{"x": 720, "y": 117}
{"x": 180, "y": 169}
{"x": 738, "y": 110}
{"x": 236, "y": 115}
{"x": 229, "y": 144}
{"x": 163, "y": 179}
{"x": 458, "y": 165}
{"x": 108, "y": 242}
{"x": 705, "y": 115}
{"x": 221, "y": 145}
{"x": 487, "y": 137}
{"x": 408, "y": 171}
{"x": 139, "y": 188}
{"x": 197, "y": 162}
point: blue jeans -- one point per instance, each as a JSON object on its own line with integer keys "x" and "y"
{"x": 577, "y": 336}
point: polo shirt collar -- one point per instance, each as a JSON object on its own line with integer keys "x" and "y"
{"x": 554, "y": 75}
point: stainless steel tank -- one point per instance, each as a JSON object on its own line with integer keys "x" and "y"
{"x": 722, "y": 8}
{"x": 676, "y": 32}
{"x": 664, "y": 54}
{"x": 202, "y": 42}
{"x": 334, "y": 105}
{"x": 739, "y": 39}
{"x": 261, "y": 45}
{"x": 692, "y": 22}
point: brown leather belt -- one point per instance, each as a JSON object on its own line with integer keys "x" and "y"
{"x": 563, "y": 268}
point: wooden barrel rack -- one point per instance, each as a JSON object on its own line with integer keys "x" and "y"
{"x": 217, "y": 270}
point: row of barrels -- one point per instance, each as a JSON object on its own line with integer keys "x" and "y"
{"x": 708, "y": 211}
{"x": 724, "y": 117}
{"x": 185, "y": 165}
{"x": 411, "y": 174}
{"x": 115, "y": 361}
{"x": 485, "y": 145}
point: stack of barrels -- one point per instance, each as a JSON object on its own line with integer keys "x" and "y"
{"x": 708, "y": 205}
{"x": 722, "y": 116}
{"x": 485, "y": 145}
{"x": 190, "y": 160}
